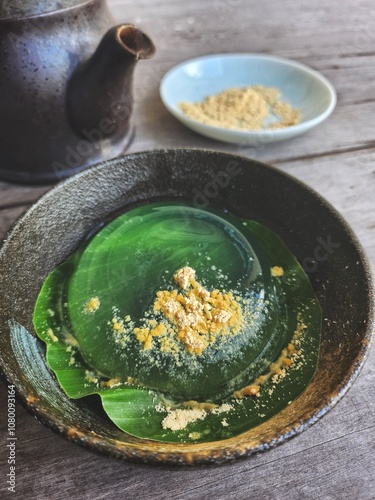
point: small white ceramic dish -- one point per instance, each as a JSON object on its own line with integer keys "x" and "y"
{"x": 300, "y": 86}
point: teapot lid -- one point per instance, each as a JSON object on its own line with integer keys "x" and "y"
{"x": 26, "y": 8}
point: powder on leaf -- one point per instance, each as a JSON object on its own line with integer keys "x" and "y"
{"x": 92, "y": 305}
{"x": 177, "y": 420}
{"x": 196, "y": 315}
{"x": 277, "y": 271}
{"x": 51, "y": 335}
{"x": 191, "y": 411}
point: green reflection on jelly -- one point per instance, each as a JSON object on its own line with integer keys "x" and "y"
{"x": 133, "y": 257}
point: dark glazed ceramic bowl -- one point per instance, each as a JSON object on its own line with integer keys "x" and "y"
{"x": 312, "y": 229}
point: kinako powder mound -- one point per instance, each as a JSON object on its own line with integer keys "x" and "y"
{"x": 244, "y": 108}
{"x": 192, "y": 320}
{"x": 195, "y": 318}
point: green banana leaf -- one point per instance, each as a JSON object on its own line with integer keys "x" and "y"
{"x": 247, "y": 259}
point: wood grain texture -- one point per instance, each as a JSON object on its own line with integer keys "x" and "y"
{"x": 334, "y": 459}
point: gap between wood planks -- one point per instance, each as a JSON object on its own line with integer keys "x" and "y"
{"x": 245, "y": 470}
{"x": 19, "y": 204}
{"x": 368, "y": 147}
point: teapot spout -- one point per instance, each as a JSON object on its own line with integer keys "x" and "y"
{"x": 134, "y": 41}
{"x": 99, "y": 93}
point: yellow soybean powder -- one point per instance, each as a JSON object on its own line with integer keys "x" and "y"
{"x": 244, "y": 108}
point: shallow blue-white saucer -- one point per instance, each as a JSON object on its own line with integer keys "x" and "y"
{"x": 300, "y": 86}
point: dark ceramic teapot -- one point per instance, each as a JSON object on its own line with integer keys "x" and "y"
{"x": 65, "y": 86}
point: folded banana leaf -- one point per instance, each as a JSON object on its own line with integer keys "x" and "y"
{"x": 91, "y": 305}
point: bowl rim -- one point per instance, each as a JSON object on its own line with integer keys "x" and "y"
{"x": 223, "y": 451}
{"x": 302, "y": 126}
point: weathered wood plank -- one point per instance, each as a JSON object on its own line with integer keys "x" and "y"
{"x": 15, "y": 194}
{"x": 283, "y": 28}
{"x": 334, "y": 459}
{"x": 196, "y": 30}
{"x": 348, "y": 182}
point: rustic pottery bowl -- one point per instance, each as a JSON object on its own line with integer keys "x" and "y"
{"x": 300, "y": 86}
{"x": 313, "y": 230}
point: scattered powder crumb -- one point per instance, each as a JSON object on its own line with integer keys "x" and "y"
{"x": 91, "y": 377}
{"x": 249, "y": 390}
{"x": 160, "y": 408}
{"x": 205, "y": 405}
{"x": 50, "y": 312}
{"x": 225, "y": 407}
{"x": 189, "y": 318}
{"x": 177, "y": 420}
{"x": 184, "y": 277}
{"x": 119, "y": 327}
{"x": 195, "y": 435}
{"x": 277, "y": 271}
{"x": 245, "y": 108}
{"x": 278, "y": 370}
{"x": 92, "y": 305}
{"x": 113, "y": 382}
{"x": 51, "y": 335}
{"x": 224, "y": 423}
{"x": 70, "y": 340}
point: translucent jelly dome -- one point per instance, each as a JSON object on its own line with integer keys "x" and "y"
{"x": 111, "y": 296}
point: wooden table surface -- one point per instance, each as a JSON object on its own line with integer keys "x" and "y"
{"x": 335, "y": 458}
